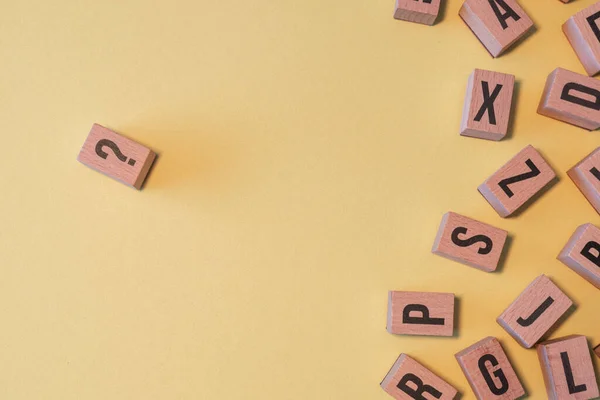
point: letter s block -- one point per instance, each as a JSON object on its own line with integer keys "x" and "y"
{"x": 488, "y": 371}
{"x": 583, "y": 33}
{"x": 586, "y": 175}
{"x": 568, "y": 369}
{"x": 469, "y": 242}
{"x": 572, "y": 98}
{"x": 409, "y": 380}
{"x": 582, "y": 253}
{"x": 420, "y": 313}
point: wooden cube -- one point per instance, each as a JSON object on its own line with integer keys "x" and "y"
{"x": 420, "y": 313}
{"x": 537, "y": 309}
{"x": 116, "y": 156}
{"x": 487, "y": 105}
{"x": 597, "y": 350}
{"x": 489, "y": 372}
{"x": 496, "y": 23}
{"x": 567, "y": 368}
{"x": 469, "y": 242}
{"x": 583, "y": 32}
{"x": 572, "y": 98}
{"x": 517, "y": 181}
{"x": 419, "y": 11}
{"x": 409, "y": 380}
{"x": 582, "y": 253}
{"x": 586, "y": 176}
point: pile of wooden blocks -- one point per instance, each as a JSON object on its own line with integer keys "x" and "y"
{"x": 566, "y": 362}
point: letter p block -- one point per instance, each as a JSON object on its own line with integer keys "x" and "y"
{"x": 582, "y": 253}
{"x": 420, "y": 313}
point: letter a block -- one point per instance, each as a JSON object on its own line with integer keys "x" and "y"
{"x": 420, "y": 313}
{"x": 572, "y": 98}
{"x": 517, "y": 181}
{"x": 586, "y": 175}
{"x": 409, "y": 380}
{"x": 535, "y": 311}
{"x": 489, "y": 372}
{"x": 487, "y": 105}
{"x": 567, "y": 368}
{"x": 419, "y": 11}
{"x": 469, "y": 242}
{"x": 582, "y": 253}
{"x": 583, "y": 33}
{"x": 496, "y": 23}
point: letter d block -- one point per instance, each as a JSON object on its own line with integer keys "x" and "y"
{"x": 420, "y": 313}
{"x": 469, "y": 242}
{"x": 582, "y": 253}
{"x": 489, "y": 372}
{"x": 572, "y": 98}
{"x": 583, "y": 33}
{"x": 567, "y": 368}
{"x": 537, "y": 309}
{"x": 419, "y": 11}
{"x": 586, "y": 175}
{"x": 409, "y": 380}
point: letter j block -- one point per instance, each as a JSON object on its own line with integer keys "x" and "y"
{"x": 582, "y": 253}
{"x": 420, "y": 313}
{"x": 583, "y": 32}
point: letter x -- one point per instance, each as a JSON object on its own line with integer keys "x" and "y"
{"x": 488, "y": 102}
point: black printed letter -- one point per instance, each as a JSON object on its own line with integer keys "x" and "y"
{"x": 423, "y": 319}
{"x": 417, "y": 393}
{"x": 508, "y": 12}
{"x": 498, "y": 374}
{"x": 527, "y": 175}
{"x": 592, "y": 21}
{"x": 565, "y": 95}
{"x": 461, "y": 230}
{"x": 488, "y": 102}
{"x": 569, "y": 374}
{"x": 591, "y": 245}
{"x": 536, "y": 314}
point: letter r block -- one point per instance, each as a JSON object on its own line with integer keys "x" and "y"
{"x": 420, "y": 313}
{"x": 586, "y": 175}
{"x": 567, "y": 368}
{"x": 583, "y": 33}
{"x": 469, "y": 242}
{"x": 582, "y": 253}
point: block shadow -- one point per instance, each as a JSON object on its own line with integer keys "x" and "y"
{"x": 504, "y": 255}
{"x": 514, "y": 110}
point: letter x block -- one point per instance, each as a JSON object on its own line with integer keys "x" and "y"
{"x": 572, "y": 98}
{"x": 517, "y": 181}
{"x": 567, "y": 368}
{"x": 409, "y": 380}
{"x": 583, "y": 33}
{"x": 535, "y": 311}
{"x": 496, "y": 23}
{"x": 582, "y": 253}
{"x": 469, "y": 242}
{"x": 420, "y": 313}
{"x": 489, "y": 372}
{"x": 586, "y": 175}
{"x": 419, "y": 11}
{"x": 487, "y": 105}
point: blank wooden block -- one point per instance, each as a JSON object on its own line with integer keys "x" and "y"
{"x": 582, "y": 253}
{"x": 469, "y": 242}
{"x": 572, "y": 98}
{"x": 489, "y": 372}
{"x": 409, "y": 380}
{"x": 586, "y": 175}
{"x": 537, "y": 309}
{"x": 420, "y": 313}
{"x": 116, "y": 156}
{"x": 487, "y": 105}
{"x": 517, "y": 181}
{"x": 496, "y": 23}
{"x": 567, "y": 368}
{"x": 583, "y": 33}
{"x": 419, "y": 11}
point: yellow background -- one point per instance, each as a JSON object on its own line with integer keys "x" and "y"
{"x": 308, "y": 150}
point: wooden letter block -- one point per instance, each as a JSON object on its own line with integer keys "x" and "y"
{"x": 517, "y": 181}
{"x": 496, "y": 23}
{"x": 420, "y": 11}
{"x": 116, "y": 156}
{"x": 487, "y": 105}
{"x": 583, "y": 33}
{"x": 582, "y": 253}
{"x": 572, "y": 98}
{"x": 420, "y": 313}
{"x": 409, "y": 380}
{"x": 469, "y": 242}
{"x": 586, "y": 175}
{"x": 597, "y": 350}
{"x": 567, "y": 368}
{"x": 489, "y": 372}
{"x": 537, "y": 309}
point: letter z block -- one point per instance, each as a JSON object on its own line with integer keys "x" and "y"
{"x": 517, "y": 181}
{"x": 572, "y": 98}
{"x": 420, "y": 313}
{"x": 409, "y": 380}
{"x": 489, "y": 372}
{"x": 537, "y": 309}
{"x": 583, "y": 33}
{"x": 496, "y": 23}
{"x": 419, "y": 11}
{"x": 487, "y": 105}
{"x": 582, "y": 253}
{"x": 567, "y": 368}
{"x": 586, "y": 176}
{"x": 469, "y": 242}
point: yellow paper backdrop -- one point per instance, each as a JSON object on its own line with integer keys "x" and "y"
{"x": 308, "y": 150}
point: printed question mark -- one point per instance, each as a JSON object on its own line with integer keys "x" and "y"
{"x": 113, "y": 146}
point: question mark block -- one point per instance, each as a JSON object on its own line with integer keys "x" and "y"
{"x": 116, "y": 156}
